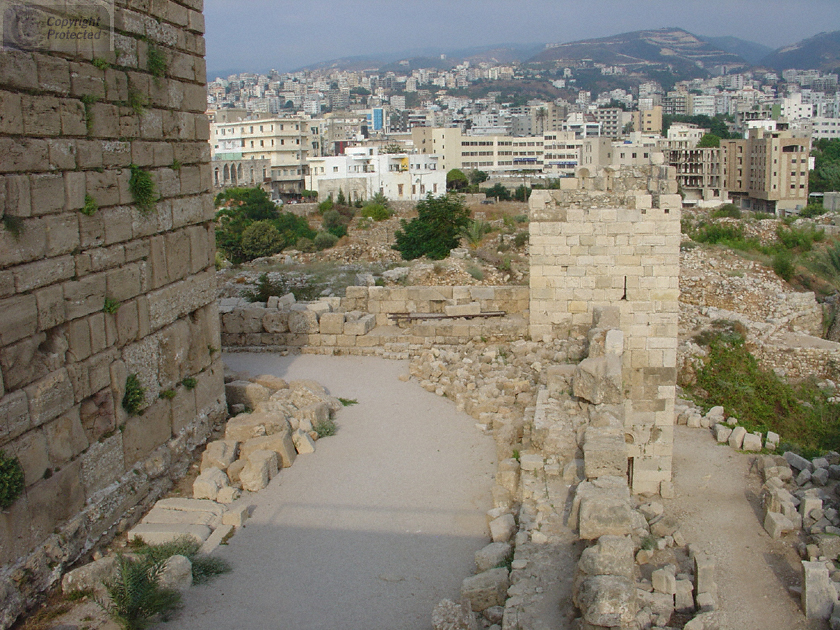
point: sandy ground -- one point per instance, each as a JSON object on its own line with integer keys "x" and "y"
{"x": 371, "y": 530}
{"x": 718, "y": 504}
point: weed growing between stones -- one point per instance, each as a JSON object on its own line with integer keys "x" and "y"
{"x": 348, "y": 401}
{"x": 189, "y": 383}
{"x": 135, "y": 596}
{"x": 203, "y": 567}
{"x": 90, "y": 206}
{"x": 142, "y": 189}
{"x": 134, "y": 395}
{"x": 13, "y": 225}
{"x": 136, "y": 100}
{"x": 156, "y": 63}
{"x": 167, "y": 394}
{"x": 11, "y": 480}
{"x": 100, "y": 63}
{"x": 111, "y": 305}
{"x": 325, "y": 428}
{"x": 476, "y": 272}
{"x": 89, "y": 100}
{"x": 175, "y": 166}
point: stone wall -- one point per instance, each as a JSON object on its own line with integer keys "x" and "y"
{"x": 93, "y": 288}
{"x": 626, "y": 254}
{"x": 359, "y": 323}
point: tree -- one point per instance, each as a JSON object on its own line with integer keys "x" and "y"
{"x": 521, "y": 193}
{"x": 826, "y": 174}
{"x": 476, "y": 177}
{"x": 456, "y": 180}
{"x": 499, "y": 192}
{"x": 392, "y": 148}
{"x": 709, "y": 141}
{"x": 436, "y": 229}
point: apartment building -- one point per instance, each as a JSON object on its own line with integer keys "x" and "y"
{"x": 494, "y": 154}
{"x": 363, "y": 171}
{"x": 682, "y": 136}
{"x": 612, "y": 121}
{"x": 767, "y": 171}
{"x": 648, "y": 120}
{"x": 282, "y": 142}
{"x": 699, "y": 173}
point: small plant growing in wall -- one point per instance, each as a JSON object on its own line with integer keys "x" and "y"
{"x": 134, "y": 395}
{"x": 89, "y": 100}
{"x": 156, "y": 63}
{"x": 11, "y": 480}
{"x": 90, "y": 206}
{"x": 100, "y": 63}
{"x": 13, "y": 225}
{"x": 136, "y": 100}
{"x": 111, "y": 306}
{"x": 189, "y": 382}
{"x": 142, "y": 189}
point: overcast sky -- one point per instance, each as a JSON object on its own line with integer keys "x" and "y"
{"x": 255, "y": 35}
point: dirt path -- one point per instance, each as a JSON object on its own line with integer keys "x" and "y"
{"x": 719, "y": 507}
{"x": 370, "y": 531}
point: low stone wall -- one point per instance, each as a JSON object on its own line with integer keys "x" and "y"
{"x": 358, "y": 323}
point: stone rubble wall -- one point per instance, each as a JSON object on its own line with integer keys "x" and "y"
{"x": 358, "y": 323}
{"x": 585, "y": 256}
{"x": 69, "y": 138}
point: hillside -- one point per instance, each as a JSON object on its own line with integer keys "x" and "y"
{"x": 820, "y": 52}
{"x": 646, "y": 52}
{"x": 751, "y": 52}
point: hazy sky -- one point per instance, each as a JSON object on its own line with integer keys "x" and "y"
{"x": 260, "y": 34}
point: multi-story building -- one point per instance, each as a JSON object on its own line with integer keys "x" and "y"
{"x": 648, "y": 120}
{"x": 682, "y": 136}
{"x": 362, "y": 172}
{"x": 612, "y": 121}
{"x": 767, "y": 171}
{"x": 493, "y": 154}
{"x": 699, "y": 173}
{"x": 282, "y": 142}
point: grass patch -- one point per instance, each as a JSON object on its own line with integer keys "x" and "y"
{"x": 156, "y": 63}
{"x": 348, "y": 401}
{"x": 167, "y": 394}
{"x": 134, "y": 396}
{"x": 731, "y": 377}
{"x": 11, "y": 480}
{"x": 90, "y": 207}
{"x": 135, "y": 596}
{"x": 142, "y": 189}
{"x": 111, "y": 305}
{"x": 325, "y": 428}
{"x": 476, "y": 272}
{"x": 189, "y": 383}
{"x": 204, "y": 567}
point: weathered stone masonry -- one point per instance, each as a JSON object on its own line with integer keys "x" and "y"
{"x": 613, "y": 240}
{"x": 69, "y": 131}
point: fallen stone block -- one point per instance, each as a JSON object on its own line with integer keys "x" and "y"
{"x": 486, "y": 589}
{"x": 818, "y": 593}
{"x": 162, "y": 516}
{"x": 157, "y": 534}
{"x": 706, "y": 602}
{"x": 221, "y": 533}
{"x": 704, "y": 574}
{"x": 503, "y": 528}
{"x": 449, "y": 615}
{"x": 176, "y": 573}
{"x": 797, "y": 461}
{"x": 777, "y": 524}
{"x": 250, "y": 425}
{"x": 281, "y": 443}
{"x": 531, "y": 461}
{"x": 304, "y": 444}
{"x": 752, "y": 443}
{"x": 91, "y": 576}
{"x": 492, "y": 556}
{"x": 611, "y": 555}
{"x": 607, "y": 601}
{"x": 361, "y": 326}
{"x": 722, "y": 433}
{"x": 659, "y": 604}
{"x": 219, "y": 454}
{"x": 208, "y": 483}
{"x": 665, "y": 526}
{"x": 820, "y": 476}
{"x": 736, "y": 439}
{"x": 604, "y": 516}
{"x": 236, "y": 516}
{"x": 246, "y": 393}
{"x": 684, "y": 596}
{"x": 191, "y": 505}
{"x": 664, "y": 580}
{"x": 260, "y": 469}
{"x": 707, "y": 621}
{"x": 598, "y": 380}
{"x": 228, "y": 495}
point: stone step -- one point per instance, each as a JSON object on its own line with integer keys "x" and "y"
{"x": 157, "y": 533}
{"x": 192, "y": 505}
{"x": 163, "y": 516}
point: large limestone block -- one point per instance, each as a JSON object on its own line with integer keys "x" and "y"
{"x": 492, "y": 556}
{"x": 209, "y": 482}
{"x": 176, "y": 573}
{"x": 260, "y": 469}
{"x": 503, "y": 528}
{"x": 449, "y": 615}
{"x": 361, "y": 326}
{"x": 736, "y": 439}
{"x": 459, "y": 310}
{"x": 303, "y": 322}
{"x": 486, "y": 589}
{"x": 90, "y": 576}
{"x": 250, "y": 425}
{"x": 275, "y": 322}
{"x": 158, "y": 534}
{"x": 604, "y": 453}
{"x": 612, "y": 555}
{"x": 219, "y": 454}
{"x": 280, "y": 443}
{"x": 598, "y": 380}
{"x": 777, "y": 524}
{"x": 605, "y": 516}
{"x": 304, "y": 444}
{"x": 246, "y": 393}
{"x": 664, "y": 580}
{"x": 818, "y": 593}
{"x": 752, "y": 442}
{"x": 332, "y": 324}
{"x": 607, "y": 601}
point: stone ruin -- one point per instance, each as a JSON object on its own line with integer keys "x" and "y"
{"x": 97, "y": 284}
{"x": 605, "y": 252}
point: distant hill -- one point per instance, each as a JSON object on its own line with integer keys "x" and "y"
{"x": 674, "y": 50}
{"x": 746, "y": 50}
{"x": 820, "y": 52}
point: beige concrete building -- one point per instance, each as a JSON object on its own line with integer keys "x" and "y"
{"x": 648, "y": 120}
{"x": 494, "y": 154}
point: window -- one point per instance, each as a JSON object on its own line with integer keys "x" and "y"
{"x": 251, "y": 129}
{"x": 400, "y": 189}
{"x": 414, "y": 189}
{"x": 252, "y": 143}
{"x": 335, "y": 169}
{"x": 262, "y": 143}
{"x": 261, "y": 127}
{"x": 434, "y": 188}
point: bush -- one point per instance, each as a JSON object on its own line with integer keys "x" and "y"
{"x": 376, "y": 212}
{"x": 306, "y": 245}
{"x": 135, "y": 596}
{"x": 436, "y": 229}
{"x": 261, "y": 239}
{"x": 325, "y": 240}
{"x": 521, "y": 238}
{"x": 717, "y": 233}
{"x": 499, "y": 192}
{"x": 325, "y": 205}
{"x": 476, "y": 272}
{"x": 783, "y": 265}
{"x": 730, "y": 211}
{"x": 11, "y": 480}
{"x": 801, "y": 239}
{"x": 812, "y": 210}
{"x": 134, "y": 396}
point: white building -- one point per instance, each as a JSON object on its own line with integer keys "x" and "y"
{"x": 362, "y": 172}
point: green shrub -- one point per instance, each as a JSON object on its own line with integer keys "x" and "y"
{"x": 718, "y": 233}
{"x": 111, "y": 305}
{"x": 90, "y": 206}
{"x": 324, "y": 240}
{"x": 499, "y": 192}
{"x": 156, "y": 62}
{"x": 476, "y": 272}
{"x": 134, "y": 396}
{"x": 167, "y": 394}
{"x": 260, "y": 239}
{"x": 730, "y": 211}
{"x": 521, "y": 238}
{"x": 474, "y": 232}
{"x": 325, "y": 205}
{"x": 325, "y": 428}
{"x": 435, "y": 230}
{"x": 305, "y": 245}
{"x": 142, "y": 189}
{"x": 189, "y": 383}
{"x": 376, "y": 212}
{"x": 135, "y": 596}
{"x": 11, "y": 480}
{"x": 521, "y": 193}
{"x": 783, "y": 265}
{"x": 801, "y": 239}
{"x": 812, "y": 210}
{"x": 13, "y": 225}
